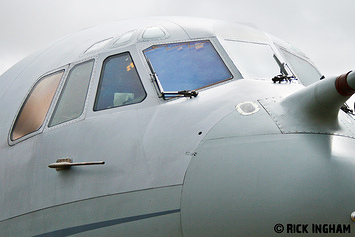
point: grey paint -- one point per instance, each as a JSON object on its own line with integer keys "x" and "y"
{"x": 189, "y": 158}
{"x": 133, "y": 213}
{"x": 259, "y": 181}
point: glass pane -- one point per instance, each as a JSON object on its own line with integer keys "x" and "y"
{"x": 153, "y": 32}
{"x": 35, "y": 108}
{"x": 187, "y": 66}
{"x": 119, "y": 83}
{"x": 98, "y": 45}
{"x": 72, "y": 99}
{"x": 124, "y": 39}
{"x": 255, "y": 60}
{"x": 304, "y": 71}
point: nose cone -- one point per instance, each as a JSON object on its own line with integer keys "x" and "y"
{"x": 259, "y": 175}
{"x": 244, "y": 186}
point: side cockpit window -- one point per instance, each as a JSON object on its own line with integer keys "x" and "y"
{"x": 119, "y": 83}
{"x": 254, "y": 59}
{"x": 304, "y": 70}
{"x": 35, "y": 108}
{"x": 186, "y": 65}
{"x": 72, "y": 99}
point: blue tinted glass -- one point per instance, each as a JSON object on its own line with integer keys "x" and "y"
{"x": 187, "y": 66}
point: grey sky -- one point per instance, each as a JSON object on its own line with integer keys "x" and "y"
{"x": 321, "y": 28}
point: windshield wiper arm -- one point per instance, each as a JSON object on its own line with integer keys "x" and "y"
{"x": 281, "y": 65}
{"x": 284, "y": 74}
{"x": 164, "y": 94}
{"x": 154, "y": 78}
{"x": 184, "y": 93}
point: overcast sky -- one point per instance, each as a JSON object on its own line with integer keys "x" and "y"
{"x": 323, "y": 29}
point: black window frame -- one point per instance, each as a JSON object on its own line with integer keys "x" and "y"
{"x": 99, "y": 86}
{"x": 173, "y": 94}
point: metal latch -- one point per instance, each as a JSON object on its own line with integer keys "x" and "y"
{"x": 66, "y": 163}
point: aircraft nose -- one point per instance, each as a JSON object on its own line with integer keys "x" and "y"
{"x": 245, "y": 186}
{"x": 250, "y": 173}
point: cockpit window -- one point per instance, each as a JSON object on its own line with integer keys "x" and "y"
{"x": 305, "y": 71}
{"x": 35, "y": 108}
{"x": 187, "y": 66}
{"x": 255, "y": 60}
{"x": 72, "y": 99}
{"x": 119, "y": 83}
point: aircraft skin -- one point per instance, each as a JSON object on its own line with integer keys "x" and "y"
{"x": 239, "y": 156}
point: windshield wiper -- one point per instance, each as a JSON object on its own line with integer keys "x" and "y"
{"x": 184, "y": 93}
{"x": 345, "y": 107}
{"x": 284, "y": 74}
{"x": 165, "y": 94}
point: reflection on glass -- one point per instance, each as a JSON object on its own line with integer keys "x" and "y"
{"x": 153, "y": 32}
{"x": 187, "y": 65}
{"x": 305, "y": 72}
{"x": 124, "y": 39}
{"x": 98, "y": 45}
{"x": 34, "y": 110}
{"x": 119, "y": 83}
{"x": 72, "y": 99}
{"x": 255, "y": 60}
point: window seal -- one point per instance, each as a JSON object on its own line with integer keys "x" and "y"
{"x": 62, "y": 89}
{"x": 100, "y": 81}
{"x": 166, "y": 95}
{"x": 64, "y": 71}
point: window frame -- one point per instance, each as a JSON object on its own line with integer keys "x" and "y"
{"x": 246, "y": 73}
{"x": 104, "y": 59}
{"x": 284, "y": 50}
{"x": 219, "y": 50}
{"x": 63, "y": 69}
{"x": 61, "y": 89}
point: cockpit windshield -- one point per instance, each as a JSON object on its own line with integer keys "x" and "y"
{"x": 255, "y": 60}
{"x": 259, "y": 60}
{"x": 186, "y": 66}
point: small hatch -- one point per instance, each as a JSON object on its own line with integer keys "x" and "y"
{"x": 247, "y": 108}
